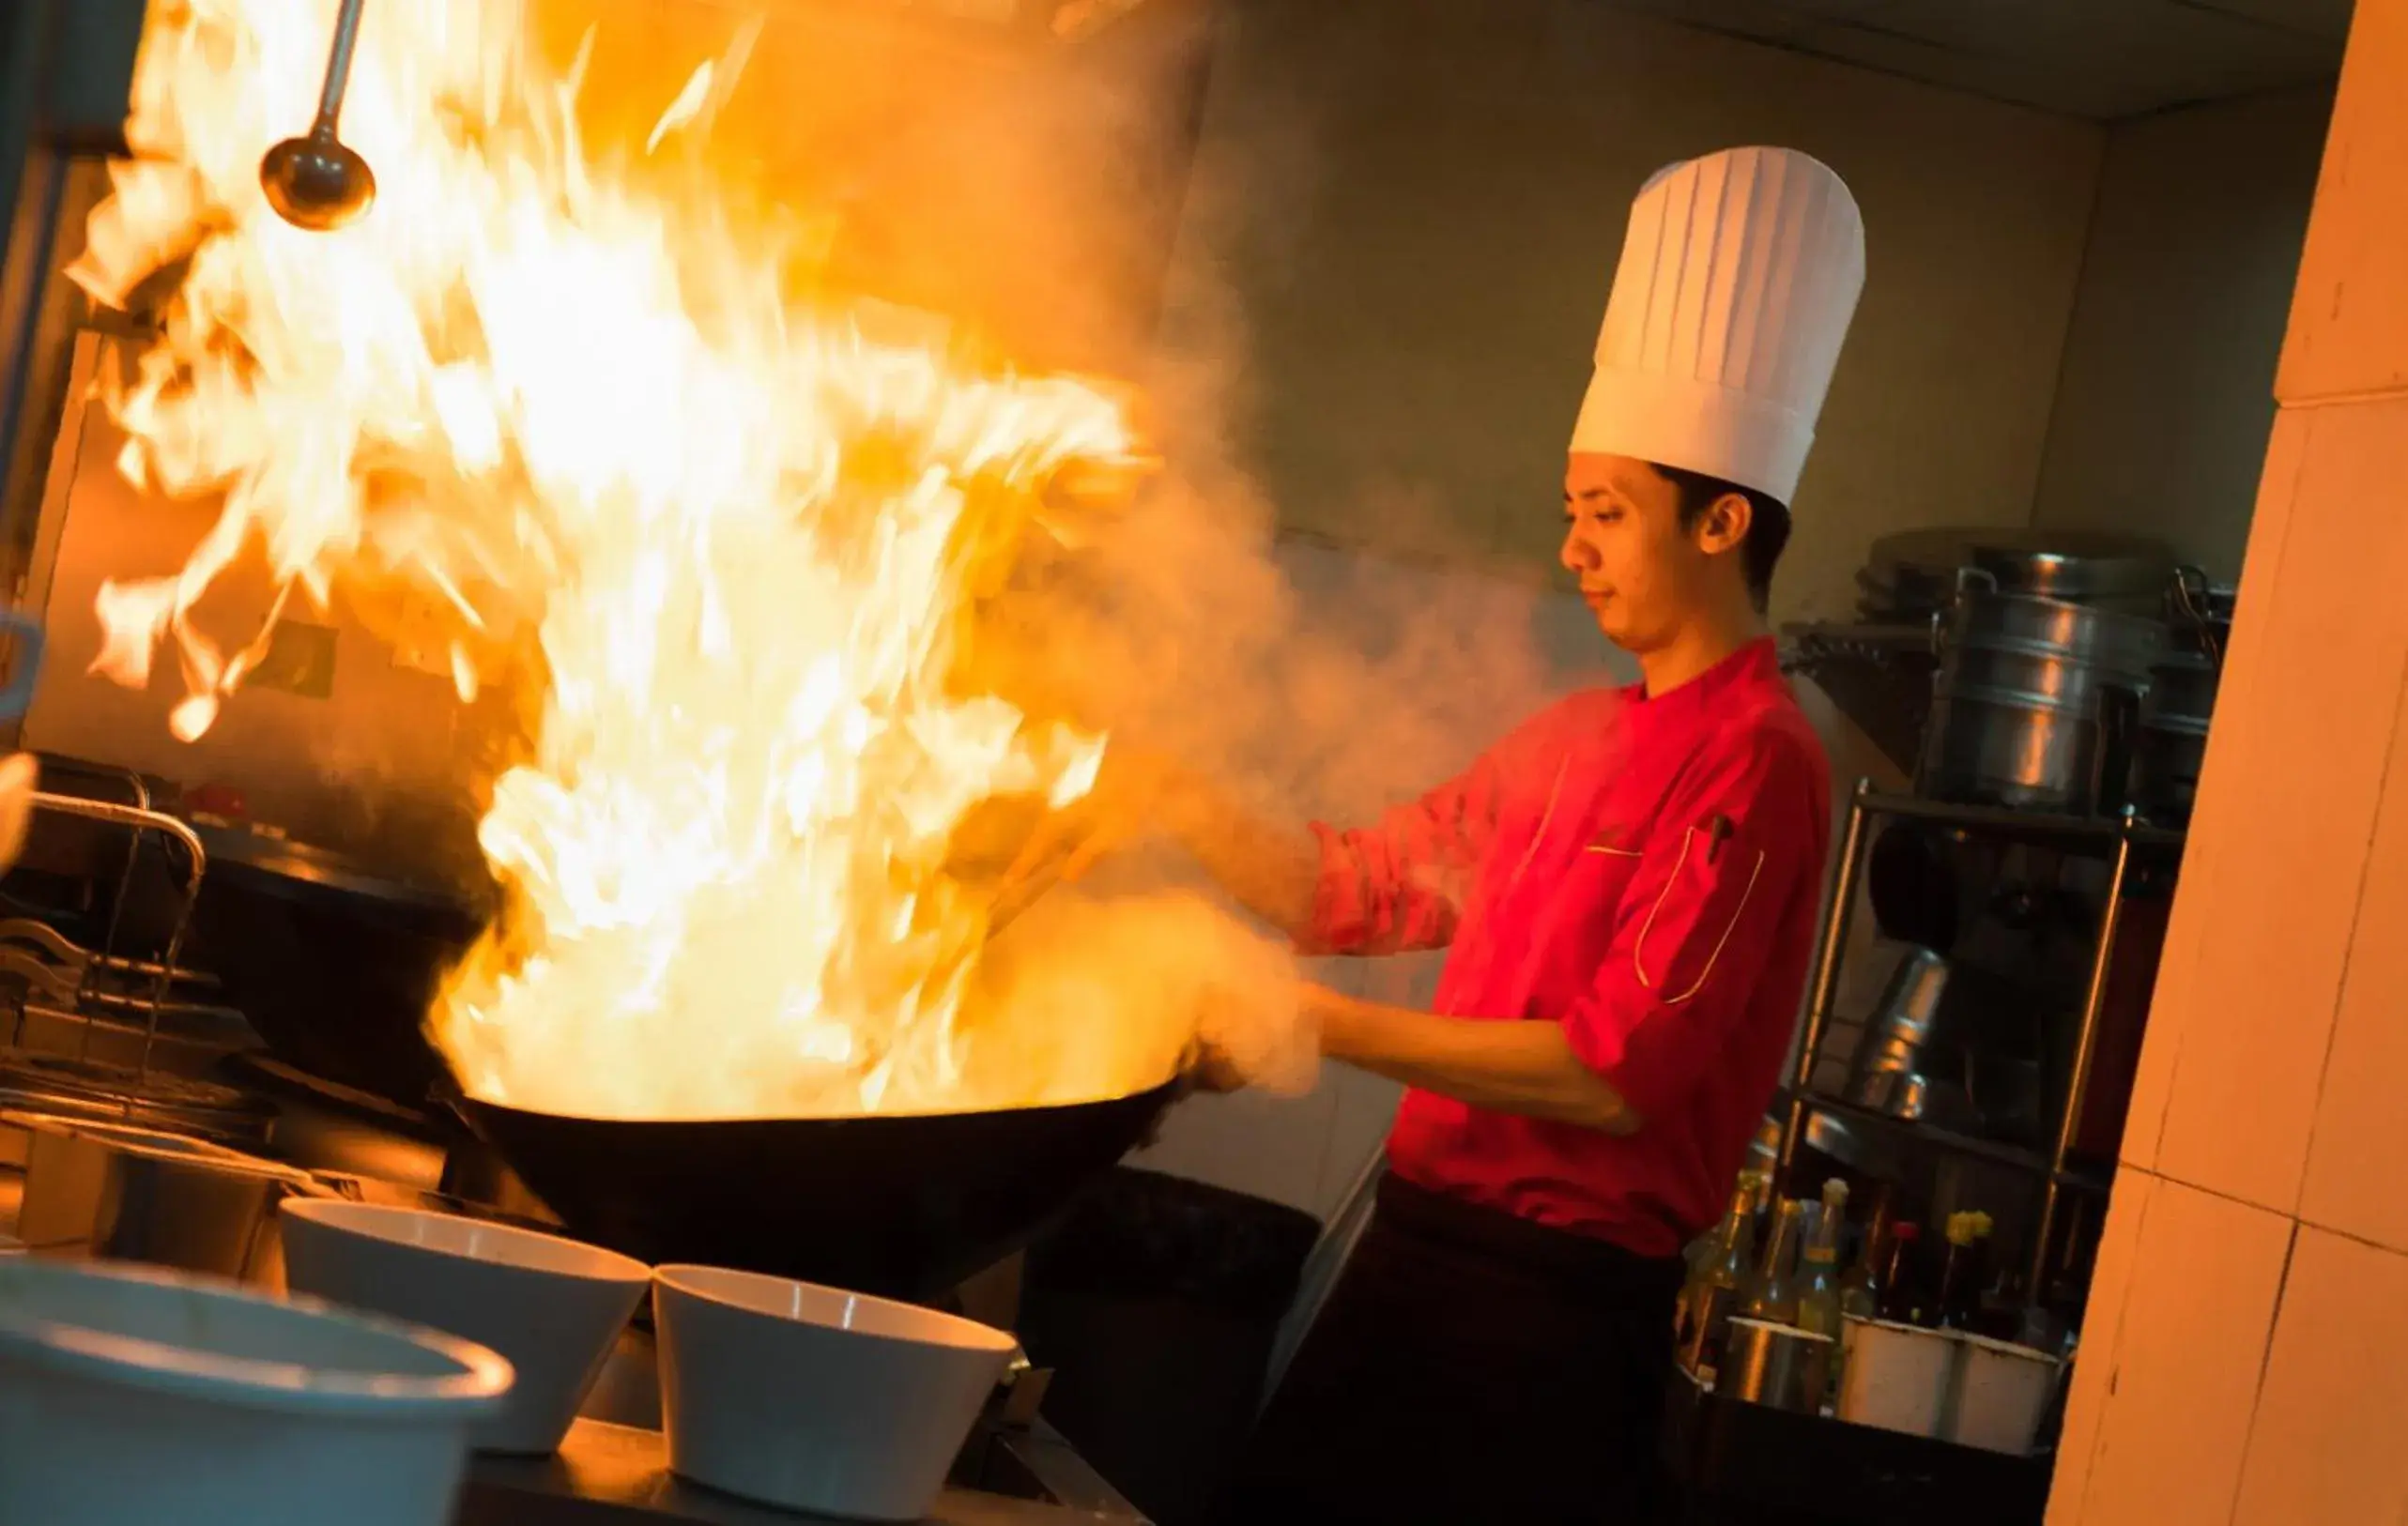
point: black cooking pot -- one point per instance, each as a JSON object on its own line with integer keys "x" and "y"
{"x": 334, "y": 964}
{"x": 904, "y": 1205}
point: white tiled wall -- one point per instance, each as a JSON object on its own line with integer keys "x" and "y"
{"x": 2245, "y": 1357}
{"x": 2177, "y": 1325}
{"x": 2324, "y": 1443}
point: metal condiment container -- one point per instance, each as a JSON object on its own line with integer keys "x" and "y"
{"x": 133, "y": 1195}
{"x": 1778, "y": 1365}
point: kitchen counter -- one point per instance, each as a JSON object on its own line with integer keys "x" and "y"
{"x": 1740, "y": 1464}
{"x": 618, "y": 1476}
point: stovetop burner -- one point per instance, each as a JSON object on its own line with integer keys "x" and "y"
{"x": 65, "y": 1085}
{"x": 98, "y": 1077}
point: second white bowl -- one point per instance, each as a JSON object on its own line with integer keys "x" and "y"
{"x": 553, "y": 1306}
{"x": 815, "y": 1398}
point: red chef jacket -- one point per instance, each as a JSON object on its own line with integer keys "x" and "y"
{"x": 1644, "y": 870}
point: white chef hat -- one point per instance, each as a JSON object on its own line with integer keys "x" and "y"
{"x": 1739, "y": 275}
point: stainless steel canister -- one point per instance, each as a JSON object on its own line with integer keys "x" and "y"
{"x": 1774, "y": 1365}
{"x": 134, "y": 1195}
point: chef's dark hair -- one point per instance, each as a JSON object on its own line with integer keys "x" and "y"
{"x": 1768, "y": 523}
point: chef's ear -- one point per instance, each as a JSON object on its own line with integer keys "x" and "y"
{"x": 1722, "y": 524}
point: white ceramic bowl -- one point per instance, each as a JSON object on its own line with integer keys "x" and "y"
{"x": 551, "y": 1305}
{"x": 130, "y": 1394}
{"x": 814, "y": 1399}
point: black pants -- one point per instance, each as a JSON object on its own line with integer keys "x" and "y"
{"x": 1470, "y": 1367}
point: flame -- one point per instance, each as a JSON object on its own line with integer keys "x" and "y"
{"x": 732, "y": 543}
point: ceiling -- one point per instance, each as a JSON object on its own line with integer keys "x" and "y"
{"x": 2103, "y": 59}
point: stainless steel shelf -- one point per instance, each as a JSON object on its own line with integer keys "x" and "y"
{"x": 2126, "y": 841}
{"x": 2095, "y": 833}
{"x": 2015, "y": 1157}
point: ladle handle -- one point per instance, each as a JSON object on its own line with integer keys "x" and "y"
{"x": 338, "y": 67}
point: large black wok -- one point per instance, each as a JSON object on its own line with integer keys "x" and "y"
{"x": 335, "y": 965}
{"x": 906, "y": 1206}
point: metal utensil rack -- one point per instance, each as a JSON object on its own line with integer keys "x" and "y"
{"x": 92, "y": 986}
{"x": 2125, "y": 841}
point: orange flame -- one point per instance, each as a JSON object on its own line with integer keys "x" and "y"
{"x": 734, "y": 540}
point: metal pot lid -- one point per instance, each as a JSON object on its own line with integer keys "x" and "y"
{"x": 1917, "y": 568}
{"x": 1945, "y": 549}
{"x": 2074, "y": 575}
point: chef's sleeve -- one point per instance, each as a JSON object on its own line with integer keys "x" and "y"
{"x": 1734, "y": 859}
{"x": 1398, "y": 885}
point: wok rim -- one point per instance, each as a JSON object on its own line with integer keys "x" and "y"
{"x": 1164, "y": 1093}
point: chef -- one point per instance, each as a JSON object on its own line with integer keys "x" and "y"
{"x": 1628, "y": 885}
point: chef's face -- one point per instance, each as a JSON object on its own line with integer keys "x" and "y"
{"x": 1643, "y": 574}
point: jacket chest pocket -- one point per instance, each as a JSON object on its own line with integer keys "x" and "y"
{"x": 1575, "y": 926}
{"x": 1691, "y": 915}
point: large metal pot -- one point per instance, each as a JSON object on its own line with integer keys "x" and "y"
{"x": 2169, "y": 742}
{"x": 1985, "y": 749}
{"x": 2035, "y": 701}
{"x": 1988, "y": 620}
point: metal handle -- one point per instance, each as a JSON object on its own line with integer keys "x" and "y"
{"x": 2191, "y": 602}
{"x": 1968, "y": 580}
{"x": 338, "y": 68}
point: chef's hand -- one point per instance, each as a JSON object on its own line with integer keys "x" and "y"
{"x": 1203, "y": 1068}
{"x": 1208, "y": 1069}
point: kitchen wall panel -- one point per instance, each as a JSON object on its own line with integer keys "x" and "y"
{"x": 2323, "y": 1444}
{"x": 2348, "y": 329}
{"x": 2253, "y": 1012}
{"x": 2168, "y": 392}
{"x": 2180, "y": 1349}
{"x": 1415, "y": 207}
{"x": 2270, "y": 1077}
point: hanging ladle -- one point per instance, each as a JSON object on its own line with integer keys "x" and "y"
{"x": 318, "y": 182}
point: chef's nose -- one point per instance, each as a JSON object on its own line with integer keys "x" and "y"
{"x": 1577, "y": 554}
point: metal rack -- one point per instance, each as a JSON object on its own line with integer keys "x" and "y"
{"x": 62, "y": 982}
{"x": 2123, "y": 840}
